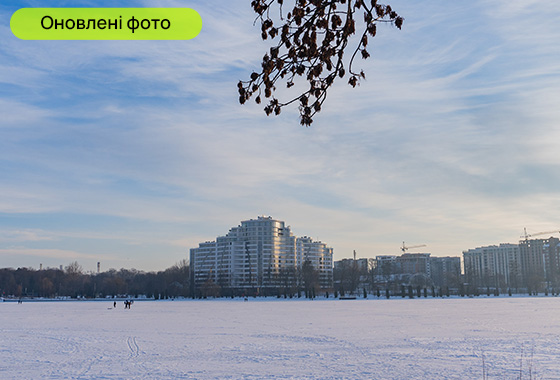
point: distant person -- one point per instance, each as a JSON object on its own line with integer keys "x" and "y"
{"x": 115, "y": 305}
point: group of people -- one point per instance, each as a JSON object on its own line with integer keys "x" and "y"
{"x": 127, "y": 304}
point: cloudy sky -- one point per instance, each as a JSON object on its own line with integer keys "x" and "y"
{"x": 132, "y": 152}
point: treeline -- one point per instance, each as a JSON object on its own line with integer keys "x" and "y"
{"x": 73, "y": 282}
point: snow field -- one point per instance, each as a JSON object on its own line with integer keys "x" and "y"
{"x": 282, "y": 339}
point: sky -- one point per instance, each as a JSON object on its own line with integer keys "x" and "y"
{"x": 129, "y": 153}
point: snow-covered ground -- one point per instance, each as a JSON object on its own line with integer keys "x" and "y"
{"x": 282, "y": 339}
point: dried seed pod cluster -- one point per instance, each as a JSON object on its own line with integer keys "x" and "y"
{"x": 312, "y": 40}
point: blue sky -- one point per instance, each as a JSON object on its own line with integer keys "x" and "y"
{"x": 132, "y": 152}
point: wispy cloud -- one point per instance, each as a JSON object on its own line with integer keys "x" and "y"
{"x": 128, "y": 148}
{"x": 44, "y": 253}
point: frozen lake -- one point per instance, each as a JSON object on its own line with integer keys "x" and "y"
{"x": 282, "y": 339}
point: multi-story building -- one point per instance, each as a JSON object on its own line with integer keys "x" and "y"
{"x": 445, "y": 271}
{"x": 493, "y": 266}
{"x": 552, "y": 262}
{"x": 260, "y": 253}
{"x": 319, "y": 256}
{"x": 385, "y": 268}
{"x": 413, "y": 263}
{"x": 361, "y": 265}
{"x": 531, "y": 264}
{"x": 436, "y": 271}
{"x": 540, "y": 262}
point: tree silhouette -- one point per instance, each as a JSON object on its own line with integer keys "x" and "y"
{"x": 312, "y": 40}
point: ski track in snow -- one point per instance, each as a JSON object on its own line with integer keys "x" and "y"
{"x": 133, "y": 347}
{"x": 282, "y": 339}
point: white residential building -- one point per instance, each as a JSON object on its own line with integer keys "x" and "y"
{"x": 260, "y": 253}
{"x": 319, "y": 256}
{"x": 493, "y": 266}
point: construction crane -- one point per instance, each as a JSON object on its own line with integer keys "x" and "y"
{"x": 526, "y": 236}
{"x": 404, "y": 248}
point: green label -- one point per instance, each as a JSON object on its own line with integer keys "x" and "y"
{"x": 106, "y": 23}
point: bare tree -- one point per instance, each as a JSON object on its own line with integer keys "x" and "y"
{"x": 312, "y": 40}
{"x": 310, "y": 277}
{"x": 74, "y": 268}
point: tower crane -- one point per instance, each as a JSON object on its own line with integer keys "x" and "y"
{"x": 526, "y": 236}
{"x": 404, "y": 248}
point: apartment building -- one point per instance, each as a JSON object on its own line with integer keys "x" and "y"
{"x": 540, "y": 262}
{"x": 260, "y": 253}
{"x": 493, "y": 266}
{"x": 531, "y": 264}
